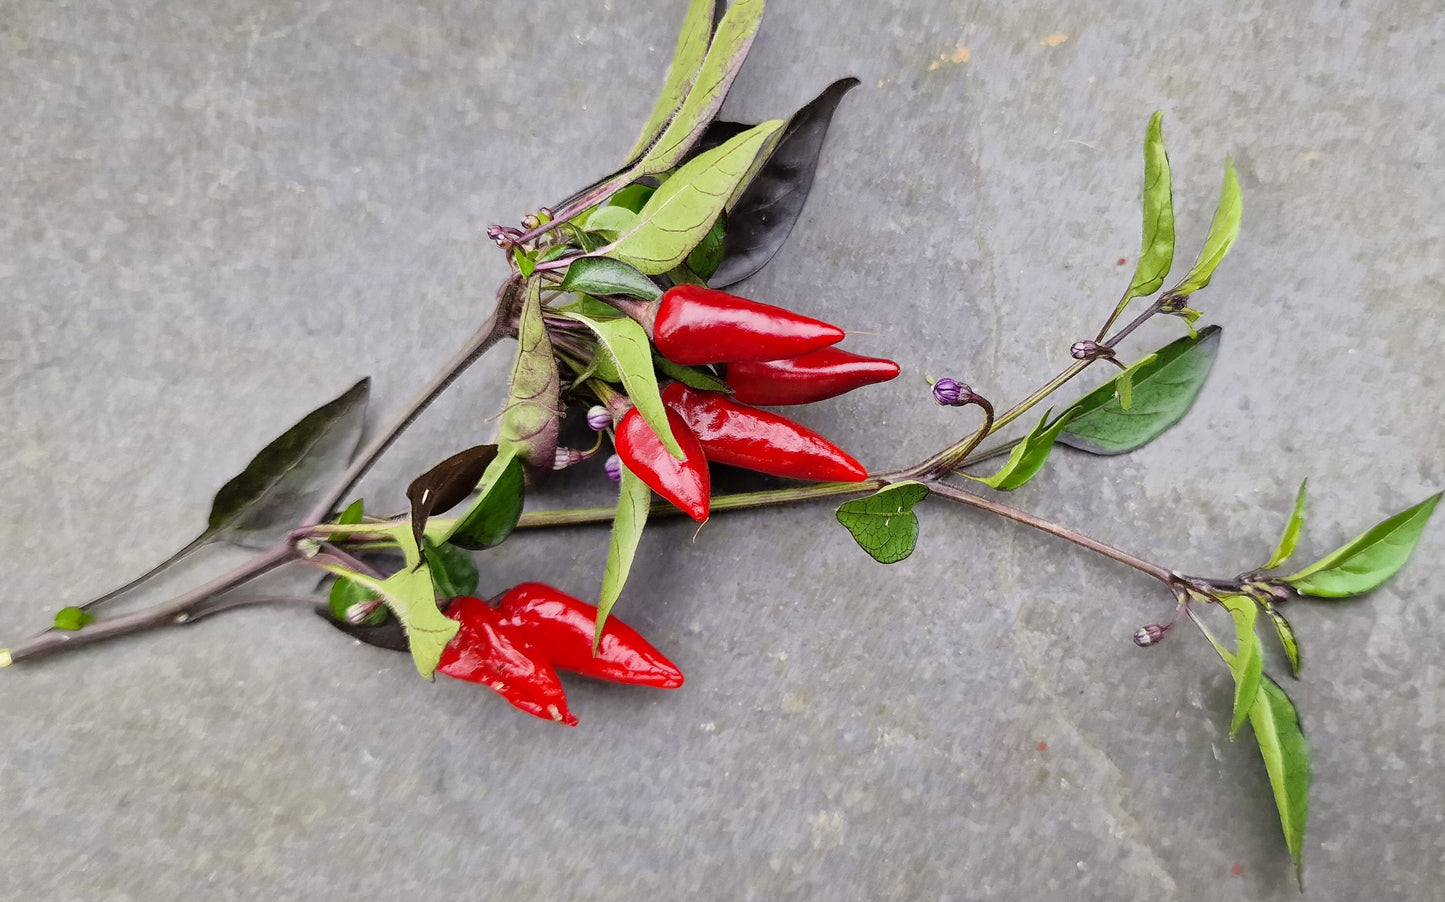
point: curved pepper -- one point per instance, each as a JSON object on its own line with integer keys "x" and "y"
{"x": 742, "y": 436}
{"x": 484, "y": 651}
{"x": 814, "y": 376}
{"x": 693, "y": 325}
{"x": 685, "y": 482}
{"x": 561, "y": 629}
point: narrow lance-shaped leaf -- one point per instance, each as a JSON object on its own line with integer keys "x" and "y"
{"x": 446, "y": 485}
{"x": 604, "y": 276}
{"x": 691, "y": 376}
{"x": 1290, "y": 537}
{"x": 884, "y": 524}
{"x": 494, "y": 513}
{"x": 1286, "y": 756}
{"x": 725, "y": 55}
{"x": 1156, "y": 252}
{"x": 1287, "y": 639}
{"x": 1163, "y": 390}
{"x": 633, "y": 505}
{"x": 531, "y": 420}
{"x": 764, "y": 213}
{"x": 679, "y": 214}
{"x": 1246, "y": 665}
{"x": 1027, "y": 457}
{"x": 1369, "y": 559}
{"x": 687, "y": 58}
{"x": 257, "y": 507}
{"x": 1222, "y": 232}
{"x": 626, "y": 341}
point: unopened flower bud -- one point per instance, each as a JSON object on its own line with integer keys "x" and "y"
{"x": 1149, "y": 635}
{"x": 1089, "y": 350}
{"x": 951, "y": 392}
{"x": 614, "y": 468}
{"x": 530, "y": 221}
{"x": 567, "y": 457}
{"x": 598, "y": 418}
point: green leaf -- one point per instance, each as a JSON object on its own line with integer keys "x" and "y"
{"x": 1163, "y": 390}
{"x": 498, "y": 506}
{"x": 687, "y": 59}
{"x": 1222, "y": 232}
{"x": 353, "y": 514}
{"x": 707, "y": 256}
{"x": 691, "y": 376}
{"x": 1367, "y": 560}
{"x": 725, "y": 55}
{"x": 883, "y": 524}
{"x": 1290, "y": 537}
{"x": 530, "y": 421}
{"x": 258, "y": 507}
{"x": 526, "y": 263}
{"x": 1246, "y": 664}
{"x": 633, "y": 197}
{"x": 1156, "y": 253}
{"x": 72, "y": 619}
{"x": 346, "y": 593}
{"x": 628, "y": 344}
{"x": 679, "y": 214}
{"x": 611, "y": 220}
{"x": 633, "y": 505}
{"x": 410, "y": 595}
{"x": 1124, "y": 382}
{"x": 447, "y": 484}
{"x": 1028, "y": 456}
{"x": 1287, "y": 640}
{"x": 604, "y": 276}
{"x": 1287, "y": 760}
{"x": 453, "y": 572}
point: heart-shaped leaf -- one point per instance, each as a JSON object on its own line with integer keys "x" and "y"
{"x": 679, "y": 214}
{"x": 1368, "y": 559}
{"x": 883, "y": 524}
{"x": 531, "y": 420}
{"x": 1163, "y": 390}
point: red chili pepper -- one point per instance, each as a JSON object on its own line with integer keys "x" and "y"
{"x": 685, "y": 482}
{"x": 693, "y": 325}
{"x": 561, "y": 629}
{"x": 820, "y": 374}
{"x": 483, "y": 651}
{"x": 742, "y": 436}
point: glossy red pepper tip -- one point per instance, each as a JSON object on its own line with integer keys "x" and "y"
{"x": 815, "y": 376}
{"x": 685, "y": 482}
{"x": 483, "y": 651}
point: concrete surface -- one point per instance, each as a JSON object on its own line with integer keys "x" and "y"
{"x": 217, "y": 215}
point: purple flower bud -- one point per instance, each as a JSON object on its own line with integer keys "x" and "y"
{"x": 949, "y": 392}
{"x": 567, "y": 457}
{"x": 614, "y": 468}
{"x": 1149, "y": 635}
{"x": 598, "y": 418}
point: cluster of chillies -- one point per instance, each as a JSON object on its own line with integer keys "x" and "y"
{"x": 517, "y": 647}
{"x": 772, "y": 356}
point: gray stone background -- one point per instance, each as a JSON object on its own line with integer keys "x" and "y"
{"x": 217, "y": 215}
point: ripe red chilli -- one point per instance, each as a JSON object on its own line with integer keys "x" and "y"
{"x": 484, "y": 651}
{"x": 814, "y": 376}
{"x": 742, "y": 436}
{"x": 693, "y": 325}
{"x": 561, "y": 629}
{"x": 685, "y": 482}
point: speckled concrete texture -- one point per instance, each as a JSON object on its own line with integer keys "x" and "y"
{"x": 217, "y": 215}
